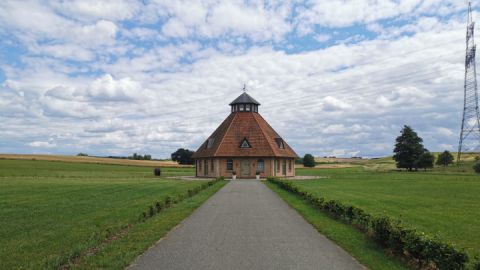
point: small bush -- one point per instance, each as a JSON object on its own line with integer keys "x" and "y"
{"x": 476, "y": 167}
{"x": 158, "y": 206}
{"x": 477, "y": 265}
{"x": 151, "y": 211}
{"x": 168, "y": 201}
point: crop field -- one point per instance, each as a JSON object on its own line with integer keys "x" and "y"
{"x": 51, "y": 211}
{"x": 95, "y": 160}
{"x": 444, "y": 202}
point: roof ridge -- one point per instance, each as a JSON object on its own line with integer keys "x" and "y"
{"x": 265, "y": 135}
{"x": 226, "y": 131}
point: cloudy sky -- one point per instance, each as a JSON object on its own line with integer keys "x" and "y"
{"x": 334, "y": 77}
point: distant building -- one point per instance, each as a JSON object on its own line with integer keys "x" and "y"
{"x": 246, "y": 144}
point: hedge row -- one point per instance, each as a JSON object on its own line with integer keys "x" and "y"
{"x": 159, "y": 206}
{"x": 425, "y": 251}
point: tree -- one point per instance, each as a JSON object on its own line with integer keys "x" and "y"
{"x": 308, "y": 160}
{"x": 182, "y": 156}
{"x": 476, "y": 167}
{"x": 408, "y": 148}
{"x": 445, "y": 159}
{"x": 425, "y": 160}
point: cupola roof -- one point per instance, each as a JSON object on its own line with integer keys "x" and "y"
{"x": 244, "y": 98}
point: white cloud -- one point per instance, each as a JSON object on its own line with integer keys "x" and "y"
{"x": 106, "y": 88}
{"x": 322, "y": 38}
{"x": 93, "y": 10}
{"x": 41, "y": 144}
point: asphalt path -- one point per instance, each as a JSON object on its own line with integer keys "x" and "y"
{"x": 245, "y": 225}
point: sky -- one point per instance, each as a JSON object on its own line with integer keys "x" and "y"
{"x": 334, "y": 77}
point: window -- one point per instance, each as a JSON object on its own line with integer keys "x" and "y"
{"x": 289, "y": 165}
{"x": 241, "y": 107}
{"x": 211, "y": 166}
{"x": 260, "y": 165}
{"x": 247, "y": 107}
{"x": 245, "y": 144}
{"x": 206, "y": 166}
{"x": 210, "y": 142}
{"x": 229, "y": 164}
{"x": 280, "y": 143}
{"x": 199, "y": 162}
{"x": 278, "y": 165}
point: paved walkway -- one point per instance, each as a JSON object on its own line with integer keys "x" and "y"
{"x": 245, "y": 225}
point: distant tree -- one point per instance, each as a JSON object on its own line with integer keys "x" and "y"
{"x": 425, "y": 160}
{"x": 147, "y": 157}
{"x": 82, "y": 155}
{"x": 476, "y": 167}
{"x": 408, "y": 148}
{"x": 299, "y": 160}
{"x": 182, "y": 156}
{"x": 445, "y": 159}
{"x": 308, "y": 160}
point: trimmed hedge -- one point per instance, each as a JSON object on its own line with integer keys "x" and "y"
{"x": 425, "y": 251}
{"x": 169, "y": 201}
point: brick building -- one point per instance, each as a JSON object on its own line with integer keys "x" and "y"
{"x": 246, "y": 144}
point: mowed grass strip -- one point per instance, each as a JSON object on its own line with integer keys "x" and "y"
{"x": 364, "y": 249}
{"x": 440, "y": 204}
{"x": 50, "y": 211}
{"x": 122, "y": 252}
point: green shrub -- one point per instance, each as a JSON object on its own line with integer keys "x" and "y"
{"x": 477, "y": 265}
{"x": 168, "y": 201}
{"x": 158, "y": 206}
{"x": 151, "y": 211}
{"x": 476, "y": 167}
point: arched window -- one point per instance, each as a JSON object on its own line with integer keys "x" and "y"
{"x": 260, "y": 165}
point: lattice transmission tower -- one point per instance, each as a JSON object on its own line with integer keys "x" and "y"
{"x": 470, "y": 132}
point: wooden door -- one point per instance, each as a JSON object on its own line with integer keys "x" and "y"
{"x": 245, "y": 168}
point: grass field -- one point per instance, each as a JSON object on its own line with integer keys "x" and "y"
{"x": 96, "y": 160}
{"x": 443, "y": 203}
{"x": 50, "y": 211}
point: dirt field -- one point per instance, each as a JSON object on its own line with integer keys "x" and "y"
{"x": 98, "y": 160}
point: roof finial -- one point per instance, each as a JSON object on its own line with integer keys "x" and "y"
{"x": 244, "y": 88}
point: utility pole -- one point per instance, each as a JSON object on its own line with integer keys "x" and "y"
{"x": 470, "y": 131}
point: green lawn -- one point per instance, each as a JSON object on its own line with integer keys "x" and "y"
{"x": 52, "y": 210}
{"x": 442, "y": 203}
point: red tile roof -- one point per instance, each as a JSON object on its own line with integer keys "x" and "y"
{"x": 237, "y": 126}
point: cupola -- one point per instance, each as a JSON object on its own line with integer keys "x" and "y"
{"x": 244, "y": 103}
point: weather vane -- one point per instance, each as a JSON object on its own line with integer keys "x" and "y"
{"x": 244, "y": 88}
